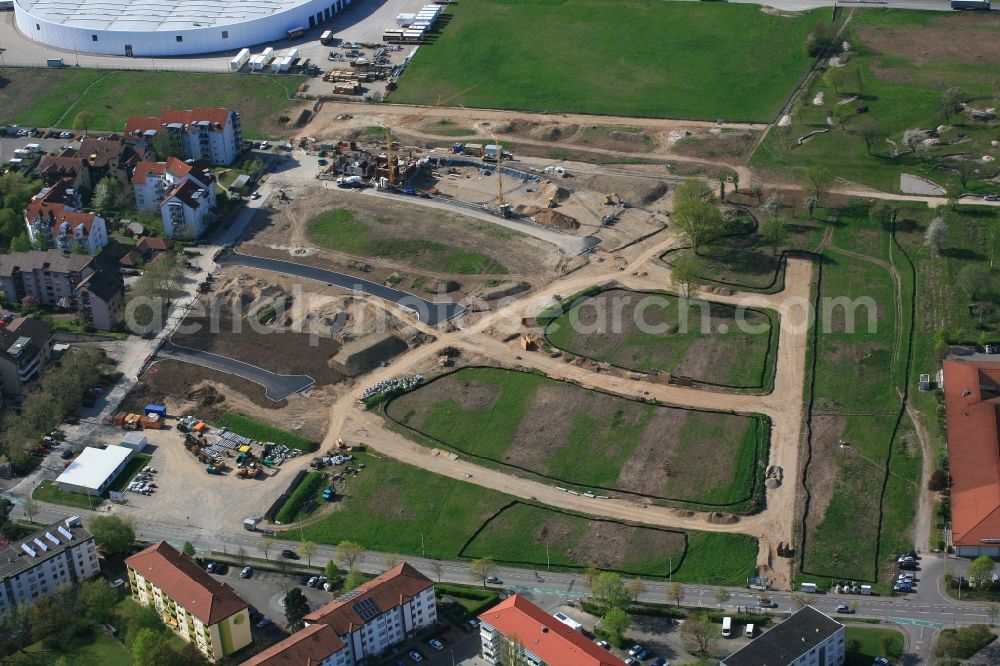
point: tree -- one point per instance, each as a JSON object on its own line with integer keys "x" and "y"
{"x": 938, "y": 481}
{"x": 353, "y": 579}
{"x": 699, "y": 635}
{"x": 112, "y": 534}
{"x": 975, "y": 280}
{"x": 696, "y": 219}
{"x": 817, "y": 180}
{"x": 675, "y": 593}
{"x": 188, "y": 549}
{"x": 913, "y": 138}
{"x": 635, "y": 588}
{"x": 686, "y": 273}
{"x": 869, "y": 132}
{"x": 107, "y": 195}
{"x": 389, "y": 560}
{"x": 265, "y": 545}
{"x": 483, "y": 568}
{"x": 884, "y": 212}
{"x": 30, "y": 507}
{"x": 965, "y": 169}
{"x": 615, "y": 623}
{"x": 936, "y": 235}
{"x": 608, "y": 591}
{"x": 994, "y": 612}
{"x": 798, "y": 599}
{"x": 722, "y": 595}
{"x": 980, "y": 572}
{"x": 756, "y": 190}
{"x": 296, "y": 608}
{"x": 83, "y": 121}
{"x": 835, "y": 77}
{"x": 774, "y": 232}
{"x": 590, "y": 575}
{"x": 307, "y": 549}
{"x": 773, "y": 204}
{"x": 347, "y": 553}
{"x": 151, "y": 648}
{"x": 951, "y": 102}
{"x": 330, "y": 570}
{"x": 20, "y": 243}
{"x": 97, "y": 600}
{"x": 438, "y": 569}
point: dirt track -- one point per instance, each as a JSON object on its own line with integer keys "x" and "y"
{"x": 783, "y": 405}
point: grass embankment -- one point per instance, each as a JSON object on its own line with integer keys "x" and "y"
{"x": 396, "y": 508}
{"x": 647, "y": 58}
{"x": 97, "y": 649}
{"x": 900, "y": 64}
{"x": 262, "y": 432}
{"x": 589, "y": 440}
{"x": 136, "y": 463}
{"x": 48, "y": 491}
{"x": 340, "y": 230}
{"x": 864, "y": 644}
{"x": 675, "y": 336}
{"x": 306, "y": 491}
{"x": 53, "y": 97}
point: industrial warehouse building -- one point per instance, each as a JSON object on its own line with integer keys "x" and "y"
{"x": 174, "y": 28}
{"x": 94, "y": 470}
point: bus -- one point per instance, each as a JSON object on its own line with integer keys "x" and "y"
{"x": 295, "y": 33}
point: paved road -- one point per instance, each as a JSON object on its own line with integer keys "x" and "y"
{"x": 428, "y": 312}
{"x": 277, "y": 387}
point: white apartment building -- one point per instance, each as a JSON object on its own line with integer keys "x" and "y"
{"x": 215, "y": 134}
{"x": 359, "y": 625}
{"x": 807, "y": 638}
{"x": 201, "y": 610}
{"x": 54, "y": 220}
{"x": 36, "y": 566}
{"x": 182, "y": 191}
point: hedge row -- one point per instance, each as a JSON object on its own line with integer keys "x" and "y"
{"x": 305, "y": 492}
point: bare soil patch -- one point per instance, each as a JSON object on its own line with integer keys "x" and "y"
{"x": 602, "y": 543}
{"x": 725, "y": 145}
{"x": 967, "y": 39}
{"x": 823, "y": 468}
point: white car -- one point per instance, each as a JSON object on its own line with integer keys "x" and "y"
{"x": 255, "y": 195}
{"x": 436, "y": 644}
{"x": 416, "y": 656}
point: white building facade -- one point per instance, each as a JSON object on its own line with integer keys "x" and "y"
{"x": 135, "y": 28}
{"x": 213, "y": 134}
{"x": 60, "y": 554}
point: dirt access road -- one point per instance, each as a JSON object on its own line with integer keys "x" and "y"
{"x": 783, "y": 405}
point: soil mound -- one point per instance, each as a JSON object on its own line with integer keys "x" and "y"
{"x": 722, "y": 518}
{"x": 360, "y": 356}
{"x": 555, "y": 220}
{"x": 553, "y": 132}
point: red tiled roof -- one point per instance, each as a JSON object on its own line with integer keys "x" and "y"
{"x": 972, "y": 398}
{"x": 544, "y": 636}
{"x": 186, "y": 583}
{"x": 149, "y": 243}
{"x": 185, "y": 194}
{"x": 143, "y": 169}
{"x": 393, "y": 588}
{"x": 308, "y": 647}
{"x": 186, "y": 117}
{"x": 177, "y": 168}
{"x": 141, "y": 124}
{"x": 50, "y": 204}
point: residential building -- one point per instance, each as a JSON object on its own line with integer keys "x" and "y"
{"x": 66, "y": 280}
{"x": 971, "y": 402}
{"x": 201, "y": 610}
{"x": 807, "y": 638}
{"x": 54, "y": 219}
{"x": 66, "y": 165}
{"x": 94, "y": 470}
{"x": 146, "y": 249}
{"x": 37, "y": 565}
{"x": 182, "y": 191}
{"x": 25, "y": 348}
{"x": 112, "y": 157}
{"x": 365, "y": 622}
{"x": 211, "y": 134}
{"x": 516, "y": 629}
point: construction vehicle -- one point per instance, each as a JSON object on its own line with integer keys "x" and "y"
{"x": 328, "y": 494}
{"x": 553, "y": 203}
{"x": 212, "y": 469}
{"x": 613, "y": 200}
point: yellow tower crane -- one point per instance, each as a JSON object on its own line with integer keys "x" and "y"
{"x": 501, "y": 204}
{"x": 388, "y": 155}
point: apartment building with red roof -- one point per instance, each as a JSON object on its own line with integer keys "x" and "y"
{"x": 54, "y": 220}
{"x": 182, "y": 191}
{"x": 972, "y": 401}
{"x": 212, "y": 134}
{"x": 518, "y": 629}
{"x": 201, "y": 610}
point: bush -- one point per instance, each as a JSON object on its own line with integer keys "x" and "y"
{"x": 306, "y": 491}
{"x": 965, "y": 642}
{"x": 938, "y": 481}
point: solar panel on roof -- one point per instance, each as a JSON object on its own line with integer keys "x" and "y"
{"x": 367, "y": 609}
{"x": 65, "y": 532}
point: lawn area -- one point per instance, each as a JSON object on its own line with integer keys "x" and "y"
{"x": 563, "y": 434}
{"x": 101, "y": 650}
{"x": 341, "y": 230}
{"x": 901, "y": 62}
{"x": 52, "y": 97}
{"x": 866, "y": 643}
{"x": 396, "y": 508}
{"x": 48, "y": 491}
{"x": 138, "y": 461}
{"x": 563, "y": 540}
{"x": 262, "y": 432}
{"x": 658, "y": 332}
{"x": 635, "y": 58}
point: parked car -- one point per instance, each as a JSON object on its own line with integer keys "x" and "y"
{"x": 992, "y": 197}
{"x": 880, "y": 661}
{"x": 604, "y": 644}
{"x": 66, "y": 454}
{"x": 117, "y": 582}
{"x": 844, "y": 608}
{"x": 255, "y": 195}
{"x": 262, "y": 623}
{"x": 289, "y": 554}
{"x": 660, "y": 661}
{"x": 312, "y": 581}
{"x": 246, "y": 572}
{"x": 631, "y": 661}
{"x": 638, "y": 651}
{"x": 416, "y": 656}
{"x": 493, "y": 580}
{"x": 436, "y": 644}
{"x": 210, "y": 568}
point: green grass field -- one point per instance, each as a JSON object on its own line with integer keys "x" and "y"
{"x": 98, "y": 650}
{"x": 51, "y": 98}
{"x": 866, "y": 643}
{"x": 48, "y": 491}
{"x": 397, "y": 508}
{"x": 340, "y": 230}
{"x": 671, "y": 340}
{"x": 262, "y": 432}
{"x": 530, "y": 424}
{"x": 900, "y": 82}
{"x": 634, "y": 58}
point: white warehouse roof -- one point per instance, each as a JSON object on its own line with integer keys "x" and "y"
{"x": 92, "y": 468}
{"x": 146, "y": 16}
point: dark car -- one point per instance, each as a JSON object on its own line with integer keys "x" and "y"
{"x": 289, "y": 554}
{"x": 67, "y": 454}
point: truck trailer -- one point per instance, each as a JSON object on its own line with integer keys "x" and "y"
{"x": 981, "y": 5}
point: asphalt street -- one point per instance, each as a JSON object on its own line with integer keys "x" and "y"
{"x": 277, "y": 387}
{"x": 429, "y": 312}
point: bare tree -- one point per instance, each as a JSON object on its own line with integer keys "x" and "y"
{"x": 31, "y": 507}
{"x": 699, "y": 635}
{"x": 912, "y": 138}
{"x": 483, "y": 568}
{"x": 308, "y": 548}
{"x": 347, "y": 553}
{"x": 675, "y": 593}
{"x": 817, "y": 181}
{"x": 389, "y": 560}
{"x": 438, "y": 569}
{"x": 936, "y": 236}
{"x": 265, "y": 545}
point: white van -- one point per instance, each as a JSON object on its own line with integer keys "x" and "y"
{"x": 809, "y": 588}
{"x": 727, "y": 627}
{"x": 33, "y": 147}
{"x": 748, "y": 632}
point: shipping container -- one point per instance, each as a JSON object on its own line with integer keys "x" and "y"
{"x": 236, "y": 64}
